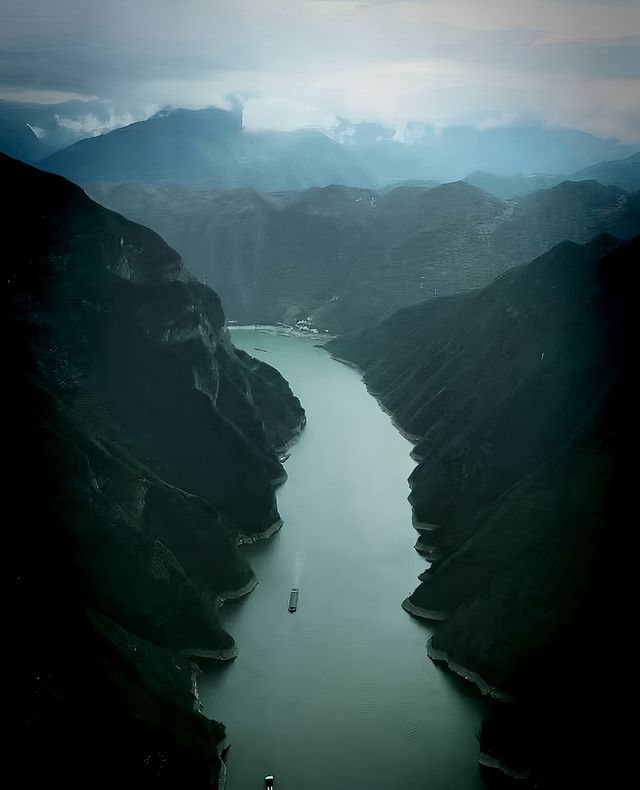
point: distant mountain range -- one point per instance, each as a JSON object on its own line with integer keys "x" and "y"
{"x": 624, "y": 173}
{"x": 520, "y": 399}
{"x": 341, "y": 258}
{"x": 142, "y": 448}
{"x": 210, "y": 148}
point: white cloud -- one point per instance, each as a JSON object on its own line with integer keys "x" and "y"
{"x": 261, "y": 112}
{"x": 306, "y": 62}
{"x": 90, "y": 125}
{"x": 494, "y": 122}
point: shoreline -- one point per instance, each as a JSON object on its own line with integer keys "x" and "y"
{"x": 225, "y": 653}
{"x": 487, "y": 690}
{"x": 426, "y": 550}
{"x": 297, "y": 433}
{"x": 412, "y": 438}
{"x": 496, "y": 764}
{"x": 282, "y": 330}
{"x": 240, "y": 592}
{"x": 247, "y": 540}
{"x": 276, "y": 482}
{"x": 220, "y": 654}
{"x": 424, "y": 614}
{"x": 424, "y": 526}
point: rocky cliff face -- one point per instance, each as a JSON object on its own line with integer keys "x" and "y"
{"x": 142, "y": 449}
{"x": 343, "y": 258}
{"x": 519, "y": 398}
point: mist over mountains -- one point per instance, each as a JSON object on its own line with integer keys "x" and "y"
{"x": 29, "y": 131}
{"x": 211, "y": 148}
{"x": 490, "y": 317}
{"x": 624, "y": 173}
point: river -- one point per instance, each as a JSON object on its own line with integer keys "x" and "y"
{"x": 340, "y": 694}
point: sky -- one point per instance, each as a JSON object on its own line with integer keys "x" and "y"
{"x": 297, "y": 63}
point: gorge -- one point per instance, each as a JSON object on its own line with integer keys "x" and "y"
{"x": 157, "y": 445}
{"x": 320, "y": 393}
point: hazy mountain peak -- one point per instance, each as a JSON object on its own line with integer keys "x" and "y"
{"x": 211, "y": 147}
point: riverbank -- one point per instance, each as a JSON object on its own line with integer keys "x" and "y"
{"x": 410, "y": 437}
{"x": 487, "y": 761}
{"x": 425, "y": 614}
{"x": 320, "y": 336}
{"x": 247, "y": 540}
{"x": 441, "y": 658}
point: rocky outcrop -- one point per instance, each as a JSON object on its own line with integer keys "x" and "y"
{"x": 521, "y": 394}
{"x": 142, "y": 446}
{"x": 342, "y": 258}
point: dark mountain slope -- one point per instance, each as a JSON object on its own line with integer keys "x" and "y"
{"x": 347, "y": 257}
{"x": 142, "y": 449}
{"x": 520, "y": 396}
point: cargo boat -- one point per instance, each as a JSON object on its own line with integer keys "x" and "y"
{"x": 293, "y": 599}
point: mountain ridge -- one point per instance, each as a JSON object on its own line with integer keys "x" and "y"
{"x": 185, "y": 146}
{"x": 343, "y": 257}
{"x": 155, "y": 448}
{"x": 519, "y": 395}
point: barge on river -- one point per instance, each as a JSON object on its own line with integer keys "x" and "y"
{"x": 293, "y": 599}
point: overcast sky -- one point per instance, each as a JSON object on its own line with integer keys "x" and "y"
{"x": 305, "y": 62}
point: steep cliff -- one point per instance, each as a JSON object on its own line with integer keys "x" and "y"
{"x": 142, "y": 449}
{"x": 347, "y": 257}
{"x": 519, "y": 397}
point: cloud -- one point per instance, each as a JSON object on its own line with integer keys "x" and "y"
{"x": 310, "y": 61}
{"x": 90, "y": 125}
{"x": 259, "y": 112}
{"x": 494, "y": 122}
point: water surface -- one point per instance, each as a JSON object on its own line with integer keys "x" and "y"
{"x": 340, "y": 694}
